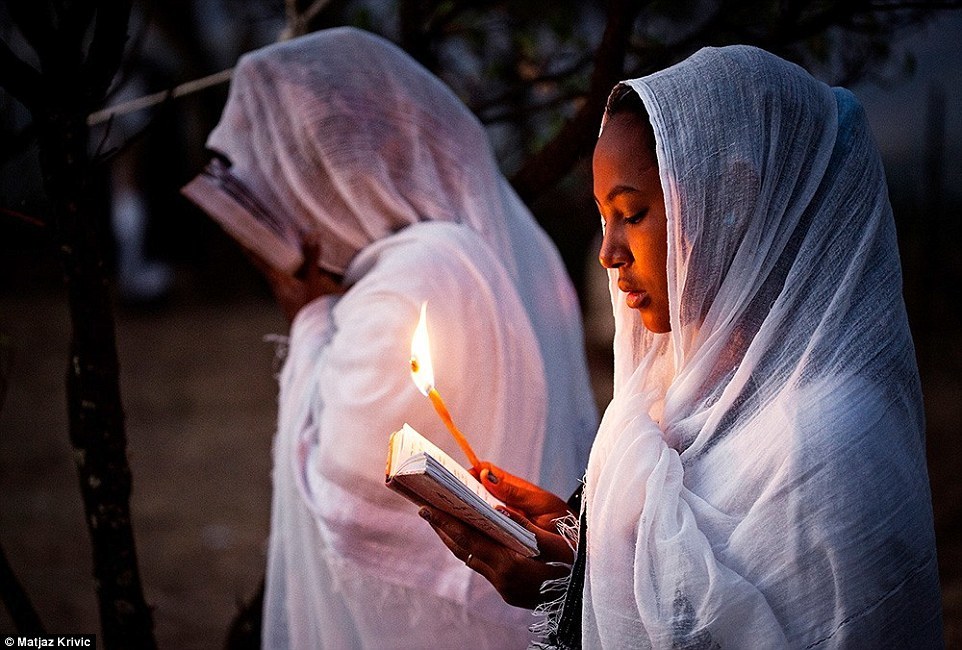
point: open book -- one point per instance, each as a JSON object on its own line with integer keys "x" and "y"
{"x": 245, "y": 218}
{"x": 423, "y": 473}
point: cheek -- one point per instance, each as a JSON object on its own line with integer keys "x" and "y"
{"x": 662, "y": 267}
{"x": 650, "y": 251}
{"x": 660, "y": 253}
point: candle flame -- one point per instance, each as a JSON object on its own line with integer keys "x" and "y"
{"x": 422, "y": 371}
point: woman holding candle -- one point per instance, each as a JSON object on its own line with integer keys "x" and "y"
{"x": 759, "y": 477}
{"x": 393, "y": 185}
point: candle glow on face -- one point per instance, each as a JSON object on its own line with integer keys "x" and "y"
{"x": 422, "y": 371}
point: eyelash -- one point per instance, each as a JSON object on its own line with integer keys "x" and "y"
{"x": 632, "y": 220}
{"x": 636, "y": 218}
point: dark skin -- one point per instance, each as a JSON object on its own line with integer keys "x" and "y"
{"x": 310, "y": 282}
{"x": 629, "y": 197}
{"x": 517, "y": 578}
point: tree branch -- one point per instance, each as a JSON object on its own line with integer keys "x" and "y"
{"x": 18, "y": 78}
{"x": 29, "y": 17}
{"x": 106, "y": 48}
{"x": 510, "y": 112}
{"x": 70, "y": 84}
{"x": 512, "y": 94}
{"x": 541, "y": 171}
{"x": 298, "y": 22}
{"x": 23, "y": 218}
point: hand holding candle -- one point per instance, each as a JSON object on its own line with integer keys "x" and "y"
{"x": 422, "y": 372}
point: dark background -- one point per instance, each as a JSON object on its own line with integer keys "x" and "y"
{"x": 197, "y": 375}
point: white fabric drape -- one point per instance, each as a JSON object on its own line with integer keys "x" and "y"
{"x": 761, "y": 467}
{"x": 341, "y": 132}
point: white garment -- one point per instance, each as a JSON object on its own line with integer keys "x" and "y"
{"x": 761, "y": 467}
{"x": 340, "y": 131}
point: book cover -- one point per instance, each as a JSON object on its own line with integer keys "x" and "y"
{"x": 244, "y": 217}
{"x": 424, "y": 473}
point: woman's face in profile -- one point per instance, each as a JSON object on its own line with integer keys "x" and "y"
{"x": 629, "y": 196}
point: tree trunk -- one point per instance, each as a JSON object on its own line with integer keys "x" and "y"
{"x": 71, "y": 82}
{"x": 93, "y": 389}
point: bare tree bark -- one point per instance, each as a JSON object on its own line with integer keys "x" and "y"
{"x": 59, "y": 98}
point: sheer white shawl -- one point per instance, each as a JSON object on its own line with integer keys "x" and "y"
{"x": 344, "y": 133}
{"x": 341, "y": 132}
{"x": 761, "y": 467}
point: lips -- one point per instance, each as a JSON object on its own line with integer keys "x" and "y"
{"x": 635, "y": 298}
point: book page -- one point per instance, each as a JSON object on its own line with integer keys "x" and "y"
{"x": 242, "y": 216}
{"x": 407, "y": 443}
{"x": 422, "y": 472}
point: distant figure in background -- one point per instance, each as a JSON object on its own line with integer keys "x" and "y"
{"x": 393, "y": 184}
{"x": 759, "y": 477}
{"x": 140, "y": 279}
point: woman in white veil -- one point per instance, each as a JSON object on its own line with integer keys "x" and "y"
{"x": 759, "y": 477}
{"x": 344, "y": 138}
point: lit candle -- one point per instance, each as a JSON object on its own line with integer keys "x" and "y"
{"x": 422, "y": 372}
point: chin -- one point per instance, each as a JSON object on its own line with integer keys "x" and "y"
{"x": 654, "y": 323}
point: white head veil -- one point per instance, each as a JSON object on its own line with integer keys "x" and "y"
{"x": 341, "y": 133}
{"x": 344, "y": 133}
{"x": 347, "y": 135}
{"x": 762, "y": 465}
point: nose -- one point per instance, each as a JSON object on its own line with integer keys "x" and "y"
{"x": 614, "y": 251}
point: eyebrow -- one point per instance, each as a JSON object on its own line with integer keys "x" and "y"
{"x": 617, "y": 191}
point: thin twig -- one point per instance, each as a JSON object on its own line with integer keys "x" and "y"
{"x": 153, "y": 99}
{"x": 18, "y": 78}
{"x": 297, "y": 20}
{"x": 26, "y": 218}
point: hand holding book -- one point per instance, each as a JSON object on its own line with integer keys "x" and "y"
{"x": 310, "y": 282}
{"x": 498, "y": 524}
{"x": 517, "y": 578}
{"x": 286, "y": 257}
{"x": 526, "y": 500}
{"x": 425, "y": 474}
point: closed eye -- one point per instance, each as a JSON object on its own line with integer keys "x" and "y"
{"x": 637, "y": 217}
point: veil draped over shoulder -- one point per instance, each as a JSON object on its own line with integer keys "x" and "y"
{"x": 349, "y": 136}
{"x": 340, "y": 132}
{"x": 761, "y": 466}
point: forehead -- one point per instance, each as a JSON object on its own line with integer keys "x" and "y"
{"x": 623, "y": 154}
